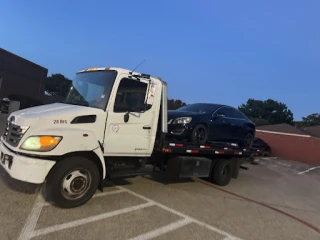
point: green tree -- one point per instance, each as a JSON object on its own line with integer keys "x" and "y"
{"x": 310, "y": 120}
{"x": 58, "y": 85}
{"x": 260, "y": 121}
{"x": 174, "y": 104}
{"x": 267, "y": 112}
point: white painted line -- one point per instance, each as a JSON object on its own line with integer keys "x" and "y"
{"x": 82, "y": 221}
{"x": 272, "y": 160}
{"x": 308, "y": 170}
{"x": 32, "y": 219}
{"x": 100, "y": 194}
{"x": 163, "y": 230}
{"x": 231, "y": 237}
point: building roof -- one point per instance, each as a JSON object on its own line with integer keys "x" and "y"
{"x": 313, "y": 131}
{"x": 283, "y": 128}
{"x": 6, "y": 52}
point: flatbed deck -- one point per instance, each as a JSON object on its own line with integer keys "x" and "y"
{"x": 216, "y": 148}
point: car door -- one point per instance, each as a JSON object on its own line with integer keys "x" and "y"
{"x": 237, "y": 127}
{"x": 219, "y": 126}
{"x": 135, "y": 135}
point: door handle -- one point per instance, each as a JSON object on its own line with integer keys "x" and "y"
{"x": 147, "y": 127}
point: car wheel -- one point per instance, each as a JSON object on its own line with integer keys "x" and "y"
{"x": 199, "y": 134}
{"x": 248, "y": 140}
{"x": 72, "y": 182}
{"x": 267, "y": 153}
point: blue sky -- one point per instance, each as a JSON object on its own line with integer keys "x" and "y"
{"x": 207, "y": 50}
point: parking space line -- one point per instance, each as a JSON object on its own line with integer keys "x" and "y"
{"x": 207, "y": 226}
{"x": 163, "y": 230}
{"x": 100, "y": 194}
{"x": 308, "y": 170}
{"x": 32, "y": 219}
{"x": 28, "y": 231}
{"x": 82, "y": 221}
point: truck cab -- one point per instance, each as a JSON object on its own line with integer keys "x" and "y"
{"x": 109, "y": 113}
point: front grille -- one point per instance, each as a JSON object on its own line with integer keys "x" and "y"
{"x": 13, "y": 133}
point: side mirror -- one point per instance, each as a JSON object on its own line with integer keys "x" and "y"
{"x": 126, "y": 117}
{"x": 150, "y": 94}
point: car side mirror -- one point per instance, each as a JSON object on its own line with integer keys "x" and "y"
{"x": 126, "y": 117}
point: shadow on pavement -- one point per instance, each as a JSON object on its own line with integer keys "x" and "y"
{"x": 15, "y": 185}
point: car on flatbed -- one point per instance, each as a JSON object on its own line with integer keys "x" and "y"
{"x": 206, "y": 122}
{"x": 114, "y": 122}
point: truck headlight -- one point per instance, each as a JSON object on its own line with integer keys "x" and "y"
{"x": 40, "y": 143}
{"x": 181, "y": 120}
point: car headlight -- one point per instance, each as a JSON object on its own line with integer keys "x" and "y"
{"x": 181, "y": 120}
{"x": 40, "y": 143}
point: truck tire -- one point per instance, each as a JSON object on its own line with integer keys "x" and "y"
{"x": 222, "y": 172}
{"x": 72, "y": 182}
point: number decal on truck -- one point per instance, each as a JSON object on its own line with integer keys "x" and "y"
{"x": 59, "y": 121}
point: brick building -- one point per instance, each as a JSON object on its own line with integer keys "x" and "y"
{"x": 21, "y": 80}
{"x": 291, "y": 143}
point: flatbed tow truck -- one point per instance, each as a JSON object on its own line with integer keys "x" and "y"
{"x": 113, "y": 123}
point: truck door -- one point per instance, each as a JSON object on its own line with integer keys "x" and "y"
{"x": 131, "y": 123}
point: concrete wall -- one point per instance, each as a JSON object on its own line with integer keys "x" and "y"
{"x": 300, "y": 148}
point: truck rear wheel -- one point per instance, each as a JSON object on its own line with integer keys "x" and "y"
{"x": 72, "y": 182}
{"x": 222, "y": 172}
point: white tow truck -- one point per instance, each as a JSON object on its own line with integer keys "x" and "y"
{"x": 113, "y": 123}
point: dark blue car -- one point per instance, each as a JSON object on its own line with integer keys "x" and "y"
{"x": 204, "y": 122}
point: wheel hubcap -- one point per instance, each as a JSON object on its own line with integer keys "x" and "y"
{"x": 248, "y": 141}
{"x": 224, "y": 171}
{"x": 75, "y": 184}
{"x": 200, "y": 134}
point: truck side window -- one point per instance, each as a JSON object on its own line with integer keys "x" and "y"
{"x": 131, "y": 96}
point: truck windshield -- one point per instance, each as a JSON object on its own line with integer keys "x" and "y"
{"x": 91, "y": 89}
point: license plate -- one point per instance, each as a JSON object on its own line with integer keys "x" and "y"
{"x": 6, "y": 158}
{"x": 2, "y": 158}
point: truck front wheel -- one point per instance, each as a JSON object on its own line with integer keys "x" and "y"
{"x": 72, "y": 182}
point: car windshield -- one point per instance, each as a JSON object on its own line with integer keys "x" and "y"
{"x": 91, "y": 89}
{"x": 199, "y": 108}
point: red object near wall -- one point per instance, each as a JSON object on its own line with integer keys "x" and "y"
{"x": 293, "y": 147}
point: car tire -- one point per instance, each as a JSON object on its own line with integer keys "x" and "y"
{"x": 248, "y": 141}
{"x": 199, "y": 134}
{"x": 72, "y": 182}
{"x": 221, "y": 173}
{"x": 267, "y": 153}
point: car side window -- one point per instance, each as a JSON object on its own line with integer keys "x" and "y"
{"x": 236, "y": 114}
{"x": 229, "y": 112}
{"x": 131, "y": 96}
{"x": 221, "y": 111}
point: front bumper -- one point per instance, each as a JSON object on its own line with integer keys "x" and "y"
{"x": 24, "y": 168}
{"x": 179, "y": 130}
